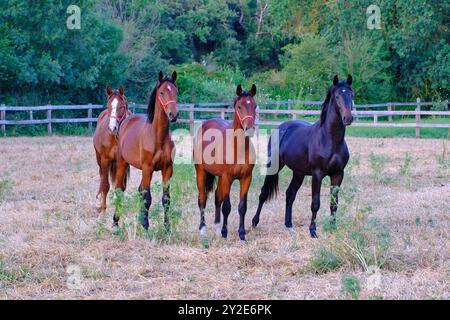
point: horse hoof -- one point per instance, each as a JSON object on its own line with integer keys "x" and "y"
{"x": 203, "y": 231}
{"x": 313, "y": 234}
{"x": 254, "y": 223}
{"x": 224, "y": 234}
{"x": 291, "y": 230}
{"x": 218, "y": 229}
{"x": 145, "y": 224}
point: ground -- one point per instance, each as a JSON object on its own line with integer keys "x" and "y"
{"x": 50, "y": 230}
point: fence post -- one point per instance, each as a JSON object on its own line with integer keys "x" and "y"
{"x": 90, "y": 116}
{"x": 289, "y": 104}
{"x": 375, "y": 118}
{"x": 49, "y": 120}
{"x": 31, "y": 114}
{"x": 417, "y": 118}
{"x": 222, "y": 114}
{"x": 3, "y": 117}
{"x": 191, "y": 120}
{"x": 389, "y": 108}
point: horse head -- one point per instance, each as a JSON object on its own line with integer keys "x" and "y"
{"x": 117, "y": 106}
{"x": 245, "y": 109}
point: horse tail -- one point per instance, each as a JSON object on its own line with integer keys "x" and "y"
{"x": 270, "y": 187}
{"x": 112, "y": 172}
{"x": 127, "y": 177}
{"x": 269, "y": 190}
{"x": 210, "y": 181}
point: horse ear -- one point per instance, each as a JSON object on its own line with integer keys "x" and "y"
{"x": 109, "y": 90}
{"x": 239, "y": 90}
{"x": 335, "y": 80}
{"x": 121, "y": 90}
{"x": 253, "y": 90}
{"x": 174, "y": 76}
{"x": 160, "y": 75}
{"x": 349, "y": 79}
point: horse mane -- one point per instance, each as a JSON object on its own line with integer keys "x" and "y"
{"x": 152, "y": 102}
{"x": 323, "y": 114}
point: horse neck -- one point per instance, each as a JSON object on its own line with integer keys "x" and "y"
{"x": 333, "y": 126}
{"x": 160, "y": 124}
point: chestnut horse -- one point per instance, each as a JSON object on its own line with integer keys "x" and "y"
{"x": 230, "y": 140}
{"x": 145, "y": 143}
{"x": 105, "y": 139}
{"x": 316, "y": 150}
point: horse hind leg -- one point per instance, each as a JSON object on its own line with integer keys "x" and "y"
{"x": 269, "y": 190}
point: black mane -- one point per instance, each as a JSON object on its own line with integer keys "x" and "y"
{"x": 152, "y": 101}
{"x": 323, "y": 114}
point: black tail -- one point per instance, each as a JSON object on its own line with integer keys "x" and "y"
{"x": 269, "y": 190}
{"x": 210, "y": 181}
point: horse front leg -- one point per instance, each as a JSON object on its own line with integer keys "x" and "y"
{"x": 226, "y": 205}
{"x": 144, "y": 188}
{"x": 245, "y": 185}
{"x": 104, "y": 182}
{"x": 291, "y": 193}
{"x": 166, "y": 175}
{"x": 218, "y": 204}
{"x": 315, "y": 203}
{"x": 336, "y": 181}
{"x": 120, "y": 178}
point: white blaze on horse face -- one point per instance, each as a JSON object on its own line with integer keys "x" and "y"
{"x": 113, "y": 116}
{"x": 169, "y": 87}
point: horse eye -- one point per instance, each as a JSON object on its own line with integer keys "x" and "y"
{"x": 162, "y": 92}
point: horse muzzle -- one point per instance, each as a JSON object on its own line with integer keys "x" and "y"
{"x": 172, "y": 117}
{"x": 250, "y": 132}
{"x": 347, "y": 120}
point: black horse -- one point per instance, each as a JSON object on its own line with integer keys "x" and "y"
{"x": 316, "y": 150}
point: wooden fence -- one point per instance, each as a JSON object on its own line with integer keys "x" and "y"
{"x": 293, "y": 108}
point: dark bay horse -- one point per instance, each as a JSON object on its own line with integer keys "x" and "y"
{"x": 316, "y": 150}
{"x": 105, "y": 139}
{"x": 145, "y": 143}
{"x": 232, "y": 157}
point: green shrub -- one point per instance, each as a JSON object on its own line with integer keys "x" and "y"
{"x": 324, "y": 261}
{"x": 5, "y": 186}
{"x": 350, "y": 287}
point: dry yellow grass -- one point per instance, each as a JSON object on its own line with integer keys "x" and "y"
{"x": 48, "y": 222}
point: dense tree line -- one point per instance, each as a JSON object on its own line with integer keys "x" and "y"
{"x": 290, "y": 48}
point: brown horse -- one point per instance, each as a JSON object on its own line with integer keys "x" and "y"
{"x": 105, "y": 139}
{"x": 232, "y": 157}
{"x": 145, "y": 143}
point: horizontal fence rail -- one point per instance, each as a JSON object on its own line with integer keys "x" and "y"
{"x": 292, "y": 108}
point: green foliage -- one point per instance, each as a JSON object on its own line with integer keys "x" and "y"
{"x": 350, "y": 286}
{"x": 378, "y": 164}
{"x": 290, "y": 49}
{"x": 5, "y": 186}
{"x": 324, "y": 261}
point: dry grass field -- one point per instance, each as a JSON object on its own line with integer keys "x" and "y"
{"x": 49, "y": 227}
